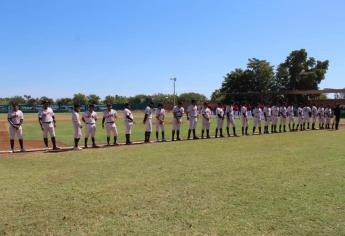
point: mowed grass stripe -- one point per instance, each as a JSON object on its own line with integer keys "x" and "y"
{"x": 285, "y": 184}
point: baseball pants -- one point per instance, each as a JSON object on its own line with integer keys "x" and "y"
{"x": 48, "y": 128}
{"x": 16, "y": 132}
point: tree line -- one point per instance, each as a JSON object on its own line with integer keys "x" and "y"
{"x": 297, "y": 72}
{"x": 84, "y": 99}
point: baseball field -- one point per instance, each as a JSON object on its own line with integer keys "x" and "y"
{"x": 281, "y": 184}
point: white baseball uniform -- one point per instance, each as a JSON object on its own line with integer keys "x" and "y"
{"x": 46, "y": 117}
{"x": 300, "y": 113}
{"x": 307, "y": 111}
{"x": 128, "y": 122}
{"x": 321, "y": 112}
{"x": 76, "y": 124}
{"x": 267, "y": 115}
{"x": 206, "y": 118}
{"x": 283, "y": 115}
{"x": 257, "y": 112}
{"x": 230, "y": 116}
{"x": 244, "y": 116}
{"x": 90, "y": 121}
{"x": 160, "y": 117}
{"x": 193, "y": 116}
{"x": 15, "y": 118}
{"x": 328, "y": 114}
{"x": 275, "y": 114}
{"x": 220, "y": 117}
{"x": 290, "y": 114}
{"x": 314, "y": 113}
{"x": 148, "y": 122}
{"x": 110, "y": 125}
{"x": 177, "y": 119}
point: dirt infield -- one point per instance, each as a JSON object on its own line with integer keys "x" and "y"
{"x": 28, "y": 144}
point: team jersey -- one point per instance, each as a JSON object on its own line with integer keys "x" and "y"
{"x": 192, "y": 111}
{"x": 178, "y": 111}
{"x": 15, "y": 117}
{"x": 244, "y": 111}
{"x": 321, "y": 112}
{"x": 283, "y": 112}
{"x": 267, "y": 112}
{"x": 160, "y": 114}
{"x": 76, "y": 118}
{"x": 148, "y": 112}
{"x": 127, "y": 113}
{"x": 206, "y": 113}
{"x": 307, "y": 111}
{"x": 257, "y": 113}
{"x": 290, "y": 111}
{"x": 46, "y": 115}
{"x": 275, "y": 111}
{"x": 328, "y": 112}
{"x": 314, "y": 111}
{"x": 229, "y": 112}
{"x": 300, "y": 112}
{"x": 220, "y": 113}
{"x": 110, "y": 116}
{"x": 90, "y": 117}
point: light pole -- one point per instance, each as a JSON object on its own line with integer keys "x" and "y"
{"x": 174, "y": 81}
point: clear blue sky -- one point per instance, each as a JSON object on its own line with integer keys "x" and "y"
{"x": 61, "y": 47}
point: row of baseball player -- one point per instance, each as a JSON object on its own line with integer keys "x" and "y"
{"x": 270, "y": 116}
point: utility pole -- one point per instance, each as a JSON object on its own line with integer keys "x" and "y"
{"x": 174, "y": 82}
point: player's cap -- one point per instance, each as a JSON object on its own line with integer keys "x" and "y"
{"x": 13, "y": 104}
{"x": 76, "y": 105}
{"x": 109, "y": 105}
{"x": 91, "y": 106}
{"x": 45, "y": 101}
{"x": 160, "y": 104}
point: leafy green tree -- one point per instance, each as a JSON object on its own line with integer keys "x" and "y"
{"x": 94, "y": 99}
{"x": 187, "y": 97}
{"x": 64, "y": 101}
{"x": 17, "y": 99}
{"x": 299, "y": 72}
{"x": 80, "y": 98}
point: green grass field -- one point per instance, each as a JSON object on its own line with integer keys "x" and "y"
{"x": 284, "y": 184}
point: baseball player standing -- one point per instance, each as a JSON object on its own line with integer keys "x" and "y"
{"x": 178, "y": 112}
{"x": 290, "y": 114}
{"x": 192, "y": 117}
{"x": 46, "y": 119}
{"x": 300, "y": 114}
{"x": 129, "y": 121}
{"x": 148, "y": 122}
{"x": 90, "y": 118}
{"x": 160, "y": 126}
{"x": 15, "y": 119}
{"x": 314, "y": 114}
{"x": 220, "y": 120}
{"x": 257, "y": 112}
{"x": 109, "y": 119}
{"x": 76, "y": 126}
{"x": 230, "y": 119}
{"x": 328, "y": 115}
{"x": 321, "y": 112}
{"x": 283, "y": 115}
{"x": 275, "y": 115}
{"x": 244, "y": 117}
{"x": 267, "y": 116}
{"x": 307, "y": 116}
{"x": 206, "y": 120}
